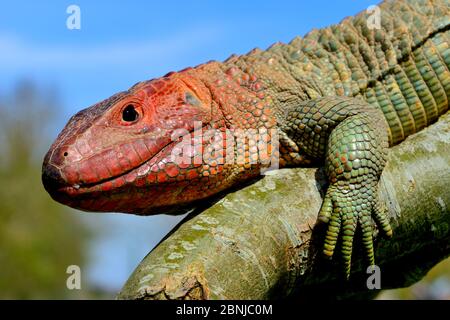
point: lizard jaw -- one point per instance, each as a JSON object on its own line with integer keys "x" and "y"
{"x": 143, "y": 189}
{"x": 109, "y": 194}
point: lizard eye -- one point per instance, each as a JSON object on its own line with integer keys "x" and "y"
{"x": 129, "y": 114}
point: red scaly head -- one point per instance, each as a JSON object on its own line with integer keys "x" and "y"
{"x": 117, "y": 154}
{"x": 159, "y": 146}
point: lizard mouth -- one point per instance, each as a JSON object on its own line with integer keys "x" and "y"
{"x": 116, "y": 183}
{"x": 126, "y": 190}
{"x": 126, "y": 177}
{"x": 120, "y": 193}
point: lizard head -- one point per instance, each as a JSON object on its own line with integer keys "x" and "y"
{"x": 137, "y": 151}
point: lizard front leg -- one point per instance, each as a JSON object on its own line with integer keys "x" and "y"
{"x": 352, "y": 137}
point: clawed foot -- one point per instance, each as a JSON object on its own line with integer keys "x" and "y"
{"x": 344, "y": 208}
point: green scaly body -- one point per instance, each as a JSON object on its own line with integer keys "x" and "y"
{"x": 328, "y": 88}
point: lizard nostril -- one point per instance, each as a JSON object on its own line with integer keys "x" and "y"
{"x": 66, "y": 154}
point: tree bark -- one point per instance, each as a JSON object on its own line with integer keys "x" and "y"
{"x": 261, "y": 242}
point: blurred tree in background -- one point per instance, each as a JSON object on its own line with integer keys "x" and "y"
{"x": 39, "y": 238}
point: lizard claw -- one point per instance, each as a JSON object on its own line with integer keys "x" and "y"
{"x": 344, "y": 208}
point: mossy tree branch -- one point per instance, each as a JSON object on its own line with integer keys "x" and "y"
{"x": 261, "y": 242}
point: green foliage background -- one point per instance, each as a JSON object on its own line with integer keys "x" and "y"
{"x": 38, "y": 237}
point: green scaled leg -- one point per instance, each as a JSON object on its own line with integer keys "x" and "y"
{"x": 352, "y": 136}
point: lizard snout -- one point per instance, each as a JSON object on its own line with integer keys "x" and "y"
{"x": 52, "y": 178}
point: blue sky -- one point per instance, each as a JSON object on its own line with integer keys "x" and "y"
{"x": 121, "y": 43}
